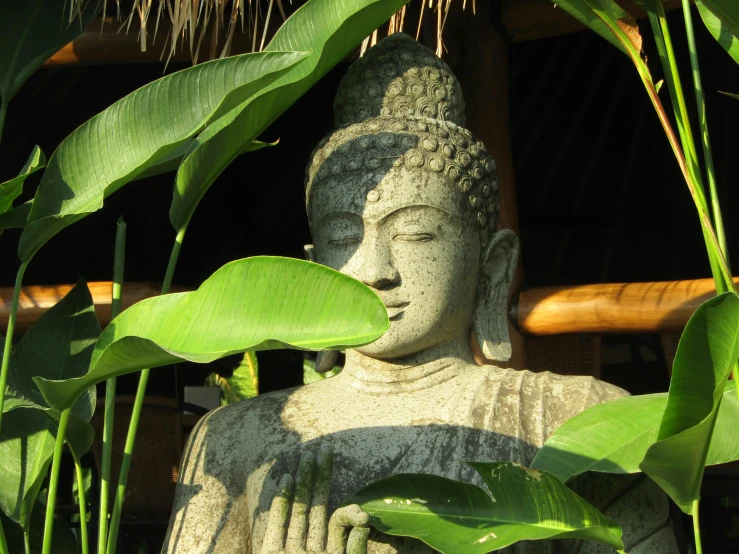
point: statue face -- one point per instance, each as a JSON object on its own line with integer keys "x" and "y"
{"x": 412, "y": 239}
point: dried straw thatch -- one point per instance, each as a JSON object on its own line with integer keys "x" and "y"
{"x": 191, "y": 21}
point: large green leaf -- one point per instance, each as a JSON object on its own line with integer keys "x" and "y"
{"x": 454, "y": 517}
{"x": 10, "y": 190}
{"x": 143, "y": 130}
{"x": 253, "y": 304}
{"x": 706, "y": 353}
{"x": 722, "y": 20}
{"x": 63, "y": 541}
{"x": 31, "y": 31}
{"x": 614, "y": 437}
{"x": 58, "y": 346}
{"x": 15, "y": 218}
{"x": 329, "y": 29}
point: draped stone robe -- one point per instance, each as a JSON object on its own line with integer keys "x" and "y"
{"x": 424, "y": 419}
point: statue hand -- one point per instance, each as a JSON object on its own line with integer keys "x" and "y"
{"x": 308, "y": 530}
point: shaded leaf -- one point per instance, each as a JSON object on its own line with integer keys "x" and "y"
{"x": 10, "y": 190}
{"x": 329, "y": 29}
{"x": 614, "y": 437}
{"x": 706, "y": 353}
{"x": 16, "y": 218}
{"x": 310, "y": 375}
{"x": 721, "y": 18}
{"x": 259, "y": 303}
{"x": 454, "y": 517}
{"x": 30, "y": 33}
{"x": 63, "y": 540}
{"x": 735, "y": 96}
{"x": 581, "y": 10}
{"x": 140, "y": 131}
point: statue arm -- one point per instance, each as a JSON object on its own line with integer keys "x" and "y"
{"x": 207, "y": 516}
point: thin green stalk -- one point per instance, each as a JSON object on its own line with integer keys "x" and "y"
{"x": 110, "y": 386}
{"x": 138, "y": 404}
{"x": 663, "y": 40}
{"x": 82, "y": 501}
{"x": 54, "y": 481}
{"x": 7, "y": 349}
{"x": 696, "y": 528}
{"x": 700, "y": 101}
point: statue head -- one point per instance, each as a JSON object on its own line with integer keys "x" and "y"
{"x": 402, "y": 197}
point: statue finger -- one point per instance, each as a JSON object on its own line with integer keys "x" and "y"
{"x": 318, "y": 517}
{"x": 348, "y": 516}
{"x": 298, "y": 528}
{"x": 357, "y": 543}
{"x": 275, "y": 533}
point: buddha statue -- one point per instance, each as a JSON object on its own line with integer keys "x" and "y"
{"x": 403, "y": 198}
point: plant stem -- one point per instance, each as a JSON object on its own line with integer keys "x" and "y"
{"x": 82, "y": 501}
{"x": 696, "y": 528}
{"x": 700, "y": 101}
{"x": 8, "y": 348}
{"x": 110, "y": 386}
{"x": 54, "y": 480}
{"x": 138, "y": 404}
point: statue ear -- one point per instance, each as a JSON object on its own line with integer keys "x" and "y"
{"x": 490, "y": 323}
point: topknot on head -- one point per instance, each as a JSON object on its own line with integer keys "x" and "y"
{"x": 399, "y": 77}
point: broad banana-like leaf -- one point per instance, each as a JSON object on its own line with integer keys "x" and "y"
{"x": 10, "y": 190}
{"x": 706, "y": 353}
{"x": 252, "y": 304}
{"x": 63, "y": 541}
{"x": 458, "y": 518}
{"x": 244, "y": 383}
{"x": 143, "y": 130}
{"x": 329, "y": 29}
{"x": 614, "y": 437}
{"x": 30, "y": 33}
{"x": 722, "y": 21}
{"x": 15, "y": 218}
{"x": 58, "y": 346}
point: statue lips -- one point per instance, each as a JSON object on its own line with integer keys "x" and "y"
{"x": 396, "y": 310}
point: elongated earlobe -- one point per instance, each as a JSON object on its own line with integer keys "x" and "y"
{"x": 490, "y": 323}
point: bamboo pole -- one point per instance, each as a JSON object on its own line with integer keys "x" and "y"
{"x": 659, "y": 307}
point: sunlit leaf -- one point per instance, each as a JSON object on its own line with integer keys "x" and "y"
{"x": 329, "y": 29}
{"x": 722, "y": 21}
{"x": 614, "y": 437}
{"x": 253, "y": 304}
{"x": 459, "y": 518}
{"x": 706, "y": 353}
{"x": 143, "y": 130}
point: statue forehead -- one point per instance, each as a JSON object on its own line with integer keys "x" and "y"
{"x": 374, "y": 197}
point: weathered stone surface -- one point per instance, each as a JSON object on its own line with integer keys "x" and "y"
{"x": 408, "y": 205}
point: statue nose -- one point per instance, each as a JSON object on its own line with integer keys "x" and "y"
{"x": 378, "y": 271}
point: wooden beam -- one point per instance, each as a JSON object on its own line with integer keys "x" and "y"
{"x": 660, "y": 307}
{"x": 35, "y": 300}
{"x": 537, "y": 19}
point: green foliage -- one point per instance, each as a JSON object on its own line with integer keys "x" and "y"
{"x": 30, "y": 33}
{"x": 64, "y": 541}
{"x": 310, "y": 375}
{"x": 150, "y": 125}
{"x": 58, "y": 346}
{"x": 329, "y": 30}
{"x": 455, "y": 517}
{"x": 243, "y": 382}
{"x": 614, "y": 437}
{"x": 708, "y": 350}
{"x": 233, "y": 311}
{"x": 721, "y": 18}
{"x": 10, "y": 190}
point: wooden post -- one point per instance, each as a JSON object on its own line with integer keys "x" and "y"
{"x": 478, "y": 56}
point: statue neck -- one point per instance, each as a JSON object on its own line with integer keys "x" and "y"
{"x": 421, "y": 370}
